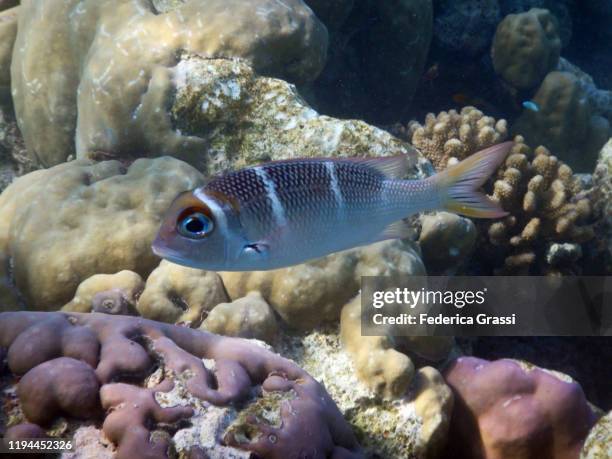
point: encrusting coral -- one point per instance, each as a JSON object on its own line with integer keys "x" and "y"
{"x": 177, "y": 294}
{"x": 510, "y": 410}
{"x": 452, "y": 136}
{"x": 526, "y": 47}
{"x": 546, "y": 206}
{"x": 71, "y": 359}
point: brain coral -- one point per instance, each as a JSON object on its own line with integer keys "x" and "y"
{"x": 565, "y": 122}
{"x": 112, "y": 88}
{"x": 454, "y": 136}
{"x": 526, "y": 47}
{"x": 62, "y": 225}
{"x": 546, "y": 206}
{"x": 509, "y": 410}
{"x": 76, "y": 364}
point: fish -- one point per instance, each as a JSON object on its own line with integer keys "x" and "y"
{"x": 531, "y": 105}
{"x": 287, "y": 212}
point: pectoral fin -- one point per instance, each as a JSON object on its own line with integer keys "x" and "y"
{"x": 400, "y": 229}
{"x": 256, "y": 249}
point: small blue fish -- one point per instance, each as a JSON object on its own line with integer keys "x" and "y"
{"x": 531, "y": 105}
{"x": 287, "y": 212}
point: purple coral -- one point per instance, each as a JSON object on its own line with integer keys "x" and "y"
{"x": 504, "y": 410}
{"x": 71, "y": 359}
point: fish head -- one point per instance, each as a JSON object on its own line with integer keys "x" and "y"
{"x": 199, "y": 230}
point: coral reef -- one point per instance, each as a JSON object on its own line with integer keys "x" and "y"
{"x": 413, "y": 425}
{"x": 247, "y": 317}
{"x": 446, "y": 241}
{"x": 122, "y": 289}
{"x": 313, "y": 293}
{"x": 452, "y": 135}
{"x": 546, "y": 206}
{"x": 72, "y": 359}
{"x": 104, "y": 219}
{"x": 124, "y": 66}
{"x": 177, "y": 294}
{"x": 526, "y": 47}
{"x": 565, "y": 122}
{"x": 506, "y": 409}
{"x": 465, "y": 26}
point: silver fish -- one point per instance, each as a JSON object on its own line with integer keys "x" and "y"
{"x": 287, "y": 212}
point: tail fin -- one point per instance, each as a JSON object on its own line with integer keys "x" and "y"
{"x": 458, "y": 185}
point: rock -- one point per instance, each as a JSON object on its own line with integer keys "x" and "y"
{"x": 110, "y": 92}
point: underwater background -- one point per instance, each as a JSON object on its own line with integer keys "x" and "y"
{"x": 111, "y": 108}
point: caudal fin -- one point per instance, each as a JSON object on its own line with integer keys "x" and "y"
{"x": 458, "y": 185}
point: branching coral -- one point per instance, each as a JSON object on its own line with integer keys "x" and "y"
{"x": 452, "y": 136}
{"x": 546, "y": 206}
{"x": 71, "y": 359}
{"x": 509, "y": 410}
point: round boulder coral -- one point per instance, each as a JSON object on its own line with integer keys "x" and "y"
{"x": 509, "y": 410}
{"x": 526, "y": 47}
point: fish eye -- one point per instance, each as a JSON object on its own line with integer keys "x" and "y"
{"x": 195, "y": 225}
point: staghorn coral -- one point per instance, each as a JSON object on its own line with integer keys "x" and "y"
{"x": 565, "y": 122}
{"x": 187, "y": 375}
{"x": 546, "y": 206}
{"x": 510, "y": 410}
{"x": 62, "y": 225}
{"x": 453, "y": 135}
{"x": 121, "y": 289}
{"x": 177, "y": 294}
{"x": 526, "y": 47}
{"x": 110, "y": 92}
{"x": 247, "y": 317}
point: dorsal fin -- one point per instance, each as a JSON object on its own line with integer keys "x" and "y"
{"x": 392, "y": 167}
